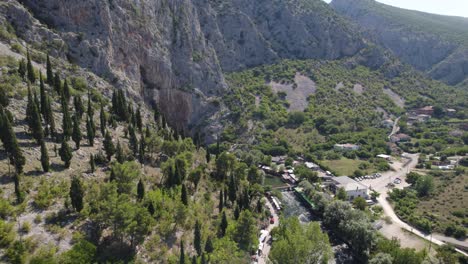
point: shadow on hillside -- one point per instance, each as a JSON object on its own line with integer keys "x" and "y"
{"x": 6, "y": 178}
{"x": 34, "y": 173}
{"x": 57, "y": 167}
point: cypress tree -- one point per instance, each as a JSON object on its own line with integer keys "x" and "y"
{"x": 236, "y": 212}
{"x": 10, "y": 142}
{"x": 141, "y": 149}
{"x": 139, "y": 122}
{"x": 67, "y": 124}
{"x": 76, "y": 135}
{"x": 92, "y": 163}
{"x": 66, "y": 91}
{"x": 224, "y": 224}
{"x": 140, "y": 190}
{"x": 22, "y": 69}
{"x": 109, "y": 146}
{"x": 151, "y": 208}
{"x": 203, "y": 259}
{"x": 4, "y": 100}
{"x": 221, "y": 202}
{"x": 79, "y": 107}
{"x": 133, "y": 140}
{"x": 209, "y": 248}
{"x": 19, "y": 194}
{"x": 103, "y": 119}
{"x": 232, "y": 189}
{"x": 112, "y": 176}
{"x": 119, "y": 155}
{"x": 66, "y": 154}
{"x": 182, "y": 253}
{"x": 208, "y": 156}
{"x": 50, "y": 120}
{"x": 90, "y": 108}
{"x": 50, "y": 74}
{"x": 90, "y": 131}
{"x": 194, "y": 259}
{"x": 197, "y": 243}
{"x": 57, "y": 84}
{"x": 29, "y": 109}
{"x": 30, "y": 68}
{"x": 184, "y": 196}
{"x": 35, "y": 122}
{"x": 76, "y": 194}
{"x": 43, "y": 97}
{"x": 44, "y": 157}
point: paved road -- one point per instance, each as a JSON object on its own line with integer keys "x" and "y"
{"x": 380, "y": 186}
{"x": 266, "y": 248}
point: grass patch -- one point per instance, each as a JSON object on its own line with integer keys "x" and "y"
{"x": 344, "y": 166}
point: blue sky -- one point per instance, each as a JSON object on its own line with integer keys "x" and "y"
{"x": 443, "y": 7}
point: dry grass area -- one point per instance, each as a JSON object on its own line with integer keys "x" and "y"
{"x": 451, "y": 197}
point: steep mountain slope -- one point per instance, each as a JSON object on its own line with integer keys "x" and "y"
{"x": 432, "y": 43}
{"x": 174, "y": 52}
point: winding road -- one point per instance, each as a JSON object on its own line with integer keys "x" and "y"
{"x": 380, "y": 185}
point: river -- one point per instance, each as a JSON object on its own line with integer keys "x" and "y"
{"x": 293, "y": 207}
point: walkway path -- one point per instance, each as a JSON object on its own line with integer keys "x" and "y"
{"x": 380, "y": 185}
{"x": 266, "y": 248}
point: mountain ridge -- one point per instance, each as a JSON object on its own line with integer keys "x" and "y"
{"x": 435, "y": 44}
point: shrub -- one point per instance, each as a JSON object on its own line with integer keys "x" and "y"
{"x": 26, "y": 227}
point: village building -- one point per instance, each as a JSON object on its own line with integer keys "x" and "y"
{"x": 384, "y": 156}
{"x": 312, "y": 166}
{"x": 346, "y": 147}
{"x": 450, "y": 112}
{"x": 352, "y": 188}
{"x": 427, "y": 110}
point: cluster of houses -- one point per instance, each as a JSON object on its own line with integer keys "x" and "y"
{"x": 352, "y": 187}
{"x": 425, "y": 113}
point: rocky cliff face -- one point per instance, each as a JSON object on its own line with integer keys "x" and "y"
{"x": 174, "y": 52}
{"x": 412, "y": 37}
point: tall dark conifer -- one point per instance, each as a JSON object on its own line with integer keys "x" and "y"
{"x": 66, "y": 154}
{"x": 22, "y": 69}
{"x": 79, "y": 107}
{"x": 50, "y": 74}
{"x": 103, "y": 119}
{"x": 30, "y": 68}
{"x": 184, "y": 195}
{"x": 76, "y": 135}
{"x": 49, "y": 119}
{"x": 76, "y": 194}
{"x": 42, "y": 93}
{"x": 67, "y": 124}
{"x": 44, "y": 157}
{"x": 58, "y": 84}
{"x": 197, "y": 239}
{"x": 90, "y": 130}
{"x": 10, "y": 143}
{"x": 109, "y": 146}
{"x": 92, "y": 163}
{"x": 66, "y": 90}
{"x": 140, "y": 190}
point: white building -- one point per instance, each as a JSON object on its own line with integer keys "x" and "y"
{"x": 353, "y": 188}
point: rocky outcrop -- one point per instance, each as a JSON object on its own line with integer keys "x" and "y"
{"x": 173, "y": 52}
{"x": 411, "y": 37}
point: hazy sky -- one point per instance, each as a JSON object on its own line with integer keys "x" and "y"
{"x": 443, "y": 7}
